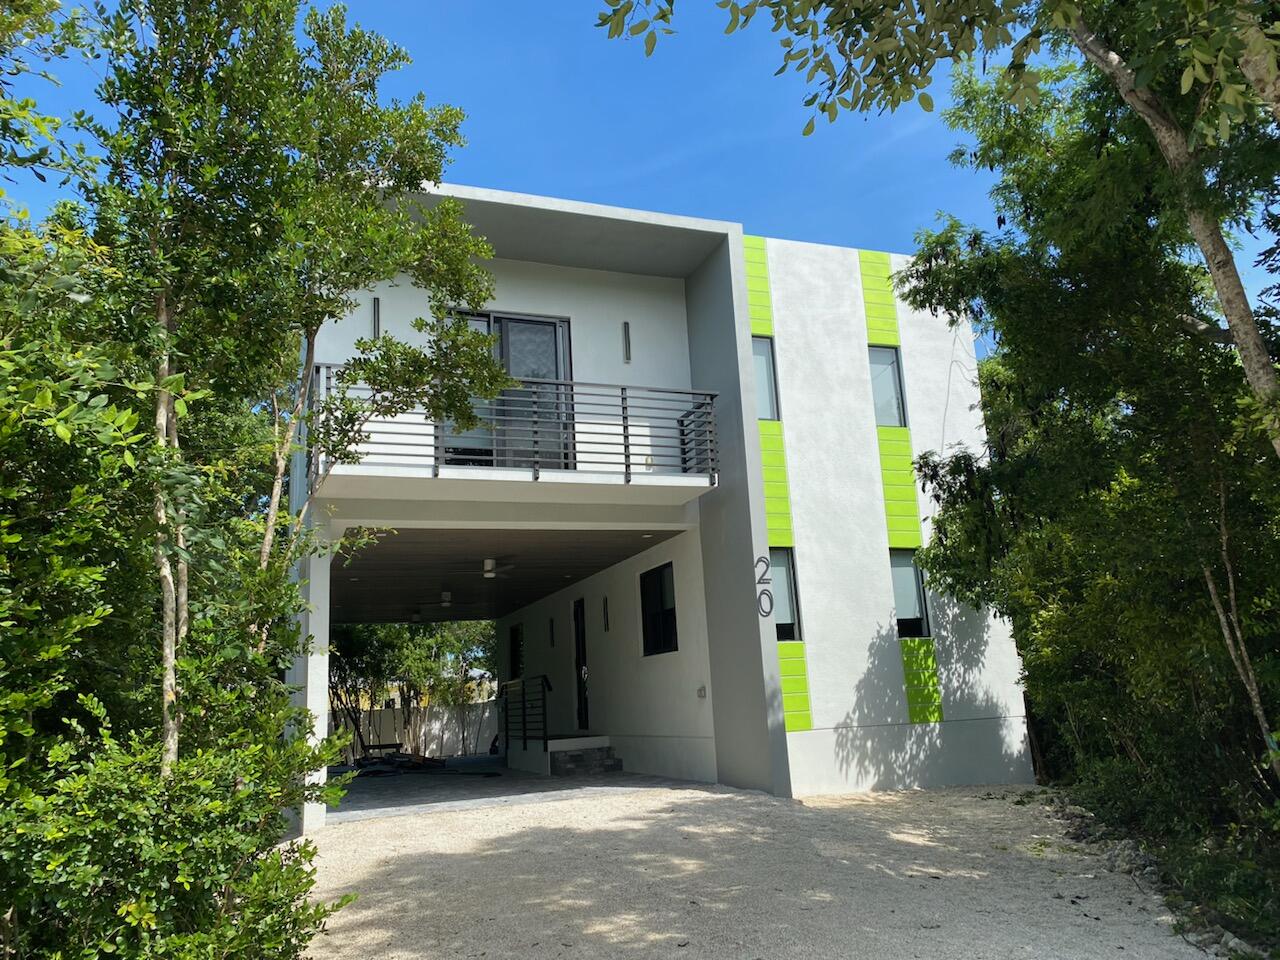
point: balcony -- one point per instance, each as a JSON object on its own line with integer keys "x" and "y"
{"x": 657, "y": 443}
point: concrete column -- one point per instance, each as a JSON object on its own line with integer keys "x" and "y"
{"x": 310, "y": 671}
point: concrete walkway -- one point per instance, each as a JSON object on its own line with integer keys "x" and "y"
{"x": 632, "y": 869}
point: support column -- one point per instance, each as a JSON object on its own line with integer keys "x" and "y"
{"x": 310, "y": 671}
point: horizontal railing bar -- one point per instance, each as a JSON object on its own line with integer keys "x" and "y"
{"x": 532, "y": 381}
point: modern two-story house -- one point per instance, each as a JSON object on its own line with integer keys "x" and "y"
{"x": 694, "y": 520}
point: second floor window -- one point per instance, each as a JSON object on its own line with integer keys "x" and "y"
{"x": 886, "y": 387}
{"x": 766, "y": 384}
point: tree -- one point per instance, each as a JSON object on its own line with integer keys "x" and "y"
{"x": 443, "y": 664}
{"x": 1125, "y": 502}
{"x": 182, "y": 284}
{"x": 250, "y": 186}
{"x": 1200, "y": 78}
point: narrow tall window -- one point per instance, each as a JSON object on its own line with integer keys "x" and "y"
{"x": 908, "y": 594}
{"x": 786, "y": 609}
{"x": 658, "y": 609}
{"x": 886, "y": 387}
{"x": 377, "y": 317}
{"x": 551, "y": 631}
{"x": 766, "y": 384}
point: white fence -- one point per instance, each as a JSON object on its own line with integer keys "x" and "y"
{"x": 434, "y": 731}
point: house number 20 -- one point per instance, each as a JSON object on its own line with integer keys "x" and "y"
{"x": 764, "y": 596}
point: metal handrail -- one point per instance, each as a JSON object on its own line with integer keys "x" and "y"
{"x": 532, "y": 709}
{"x": 558, "y": 425}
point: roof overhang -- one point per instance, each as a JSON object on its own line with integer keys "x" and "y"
{"x": 571, "y": 233}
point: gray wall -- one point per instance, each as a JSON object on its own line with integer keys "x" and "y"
{"x": 860, "y": 737}
{"x": 751, "y": 749}
{"x": 648, "y": 707}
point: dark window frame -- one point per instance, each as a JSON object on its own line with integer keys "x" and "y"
{"x": 775, "y": 393}
{"x": 913, "y": 626}
{"x": 900, "y": 380}
{"x": 796, "y": 629}
{"x": 658, "y": 627}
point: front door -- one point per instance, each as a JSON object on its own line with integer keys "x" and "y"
{"x": 580, "y": 659}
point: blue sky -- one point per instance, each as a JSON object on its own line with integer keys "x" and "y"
{"x": 701, "y": 128}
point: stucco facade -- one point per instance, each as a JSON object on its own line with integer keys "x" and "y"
{"x": 833, "y": 699}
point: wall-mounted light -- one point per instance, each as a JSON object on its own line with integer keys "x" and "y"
{"x": 377, "y": 317}
{"x": 626, "y": 341}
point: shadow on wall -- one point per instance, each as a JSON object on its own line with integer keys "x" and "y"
{"x": 978, "y": 742}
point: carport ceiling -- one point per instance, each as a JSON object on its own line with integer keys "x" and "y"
{"x": 405, "y": 573}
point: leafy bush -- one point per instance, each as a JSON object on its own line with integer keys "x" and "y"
{"x": 103, "y": 856}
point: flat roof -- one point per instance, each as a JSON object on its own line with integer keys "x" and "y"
{"x": 571, "y": 233}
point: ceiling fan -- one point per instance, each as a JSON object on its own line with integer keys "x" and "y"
{"x": 490, "y": 569}
{"x": 445, "y": 602}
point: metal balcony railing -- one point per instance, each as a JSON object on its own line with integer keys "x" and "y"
{"x": 552, "y": 425}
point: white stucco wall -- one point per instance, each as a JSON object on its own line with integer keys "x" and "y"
{"x": 648, "y": 706}
{"x": 860, "y": 737}
{"x": 595, "y": 302}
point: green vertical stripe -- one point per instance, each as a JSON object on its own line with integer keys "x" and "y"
{"x": 898, "y": 477}
{"x": 796, "y": 712}
{"x": 920, "y": 673}
{"x": 777, "y": 491}
{"x": 759, "y": 297}
{"x": 877, "y": 297}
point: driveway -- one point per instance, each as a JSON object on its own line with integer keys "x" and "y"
{"x": 630, "y": 868}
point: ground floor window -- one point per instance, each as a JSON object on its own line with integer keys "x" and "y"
{"x": 658, "y": 609}
{"x": 786, "y": 608}
{"x": 908, "y": 594}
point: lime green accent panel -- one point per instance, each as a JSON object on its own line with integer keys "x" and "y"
{"x": 901, "y": 506}
{"x": 878, "y": 299}
{"x": 792, "y": 668}
{"x": 920, "y": 673}
{"x": 759, "y": 298}
{"x": 797, "y": 722}
{"x": 795, "y": 703}
{"x": 795, "y": 685}
{"x": 777, "y": 491}
{"x": 905, "y": 540}
{"x": 796, "y": 713}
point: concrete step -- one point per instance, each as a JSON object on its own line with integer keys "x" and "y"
{"x": 585, "y": 762}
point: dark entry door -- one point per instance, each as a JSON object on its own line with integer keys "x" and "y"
{"x": 580, "y": 659}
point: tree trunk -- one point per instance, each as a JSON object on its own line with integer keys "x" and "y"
{"x": 1259, "y": 370}
{"x": 280, "y": 452}
{"x": 1233, "y": 633}
{"x": 164, "y": 567}
{"x": 1244, "y": 670}
{"x": 1258, "y": 63}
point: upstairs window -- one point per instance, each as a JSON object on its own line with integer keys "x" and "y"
{"x": 886, "y": 387}
{"x": 658, "y": 609}
{"x": 908, "y": 594}
{"x": 786, "y": 611}
{"x": 766, "y": 384}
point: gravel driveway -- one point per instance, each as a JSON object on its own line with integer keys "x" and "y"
{"x": 641, "y": 870}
